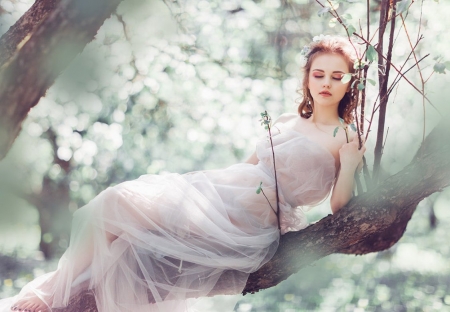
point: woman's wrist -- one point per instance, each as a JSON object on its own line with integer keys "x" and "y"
{"x": 350, "y": 168}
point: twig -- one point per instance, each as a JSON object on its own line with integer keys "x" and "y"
{"x": 266, "y": 120}
{"x": 421, "y": 76}
{"x": 402, "y": 75}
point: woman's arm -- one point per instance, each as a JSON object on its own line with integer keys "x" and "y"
{"x": 350, "y": 156}
{"x": 253, "y": 159}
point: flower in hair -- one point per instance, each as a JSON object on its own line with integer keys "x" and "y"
{"x": 307, "y": 48}
{"x": 320, "y": 37}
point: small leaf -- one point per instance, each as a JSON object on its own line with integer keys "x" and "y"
{"x": 346, "y": 16}
{"x": 361, "y": 86}
{"x": 341, "y": 120}
{"x": 371, "y": 53}
{"x": 439, "y": 68}
{"x": 333, "y": 4}
{"x": 335, "y": 131}
{"x": 371, "y": 81}
{"x": 350, "y": 29}
{"x": 346, "y": 78}
{"x": 353, "y": 83}
{"x": 323, "y": 11}
{"x": 359, "y": 64}
{"x": 352, "y": 125}
{"x": 259, "y": 189}
{"x": 332, "y": 22}
{"x": 402, "y": 6}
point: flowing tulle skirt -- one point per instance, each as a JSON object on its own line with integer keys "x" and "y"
{"x": 149, "y": 244}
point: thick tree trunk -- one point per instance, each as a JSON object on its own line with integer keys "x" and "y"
{"x": 11, "y": 41}
{"x": 35, "y": 56}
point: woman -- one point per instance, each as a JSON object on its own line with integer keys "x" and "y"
{"x": 148, "y": 244}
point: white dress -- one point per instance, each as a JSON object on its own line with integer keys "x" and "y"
{"x": 177, "y": 234}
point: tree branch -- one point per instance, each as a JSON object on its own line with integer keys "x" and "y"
{"x": 33, "y": 65}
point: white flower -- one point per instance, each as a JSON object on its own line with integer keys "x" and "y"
{"x": 319, "y": 37}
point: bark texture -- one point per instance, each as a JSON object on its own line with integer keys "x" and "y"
{"x": 35, "y": 56}
{"x": 13, "y": 39}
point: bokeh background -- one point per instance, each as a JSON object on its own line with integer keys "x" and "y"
{"x": 179, "y": 86}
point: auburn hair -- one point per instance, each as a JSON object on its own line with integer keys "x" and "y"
{"x": 334, "y": 45}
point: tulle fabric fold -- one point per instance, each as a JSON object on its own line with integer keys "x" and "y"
{"x": 152, "y": 243}
{"x": 172, "y": 243}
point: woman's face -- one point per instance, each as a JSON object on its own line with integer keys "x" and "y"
{"x": 324, "y": 80}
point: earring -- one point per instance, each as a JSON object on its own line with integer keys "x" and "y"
{"x": 309, "y": 103}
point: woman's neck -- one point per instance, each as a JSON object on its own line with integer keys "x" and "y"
{"x": 325, "y": 116}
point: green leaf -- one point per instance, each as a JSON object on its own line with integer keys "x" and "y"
{"x": 259, "y": 189}
{"x": 323, "y": 11}
{"x": 371, "y": 53}
{"x": 359, "y": 64}
{"x": 447, "y": 65}
{"x": 403, "y": 5}
{"x": 346, "y": 78}
{"x": 332, "y": 22}
{"x": 341, "y": 120}
{"x": 371, "y": 81}
{"x": 361, "y": 86}
{"x": 346, "y": 16}
{"x": 350, "y": 29}
{"x": 439, "y": 68}
{"x": 352, "y": 125}
{"x": 335, "y": 131}
{"x": 333, "y": 4}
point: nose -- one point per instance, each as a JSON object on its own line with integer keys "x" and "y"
{"x": 326, "y": 83}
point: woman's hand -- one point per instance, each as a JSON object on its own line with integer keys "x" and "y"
{"x": 350, "y": 156}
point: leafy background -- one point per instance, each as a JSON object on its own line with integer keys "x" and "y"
{"x": 179, "y": 86}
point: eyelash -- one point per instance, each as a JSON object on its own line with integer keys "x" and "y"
{"x": 331, "y": 77}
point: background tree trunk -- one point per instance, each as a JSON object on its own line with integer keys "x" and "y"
{"x": 38, "y": 56}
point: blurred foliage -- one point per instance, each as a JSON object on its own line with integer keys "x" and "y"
{"x": 179, "y": 86}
